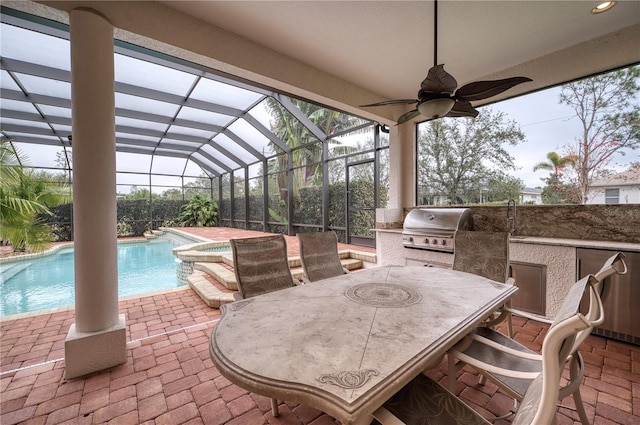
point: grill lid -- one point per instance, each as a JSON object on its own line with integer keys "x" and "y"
{"x": 434, "y": 221}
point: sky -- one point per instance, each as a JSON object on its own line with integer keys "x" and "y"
{"x": 548, "y": 126}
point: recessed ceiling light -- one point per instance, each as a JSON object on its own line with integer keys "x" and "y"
{"x": 603, "y": 7}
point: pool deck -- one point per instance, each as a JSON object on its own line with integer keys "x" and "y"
{"x": 169, "y": 377}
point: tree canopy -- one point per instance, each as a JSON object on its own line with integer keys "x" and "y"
{"x": 608, "y": 110}
{"x": 459, "y": 157}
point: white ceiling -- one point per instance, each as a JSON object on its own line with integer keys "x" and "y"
{"x": 386, "y": 47}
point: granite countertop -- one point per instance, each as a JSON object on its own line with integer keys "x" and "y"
{"x": 578, "y": 243}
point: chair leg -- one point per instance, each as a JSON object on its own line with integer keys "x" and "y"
{"x": 274, "y": 408}
{"x": 574, "y": 371}
{"x": 580, "y": 408}
{"x": 453, "y": 373}
{"x": 481, "y": 379}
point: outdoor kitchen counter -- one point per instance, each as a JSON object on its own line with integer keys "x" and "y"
{"x": 558, "y": 256}
{"x": 578, "y": 243}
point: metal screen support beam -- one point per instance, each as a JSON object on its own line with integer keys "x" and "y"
{"x": 265, "y": 195}
{"x": 290, "y": 192}
{"x": 232, "y": 210}
{"x": 376, "y": 166}
{"x": 325, "y": 187}
{"x": 246, "y": 197}
{"x": 296, "y": 112}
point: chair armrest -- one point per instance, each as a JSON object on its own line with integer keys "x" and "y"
{"x": 512, "y": 351}
{"x": 482, "y": 366}
{"x": 529, "y": 316}
{"x": 501, "y": 317}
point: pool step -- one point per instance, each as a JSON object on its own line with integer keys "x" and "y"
{"x": 351, "y": 263}
{"x": 215, "y": 283}
{"x": 227, "y": 277}
{"x": 14, "y": 269}
{"x": 212, "y": 293}
{"x": 220, "y": 273}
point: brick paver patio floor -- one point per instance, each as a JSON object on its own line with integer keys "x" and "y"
{"x": 169, "y": 377}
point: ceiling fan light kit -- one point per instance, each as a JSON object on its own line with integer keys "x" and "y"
{"x": 438, "y": 97}
{"x": 603, "y": 7}
{"x": 436, "y": 108}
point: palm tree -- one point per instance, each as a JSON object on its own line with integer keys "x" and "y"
{"x": 295, "y": 135}
{"x": 24, "y": 198}
{"x": 555, "y": 191}
{"x": 556, "y": 163}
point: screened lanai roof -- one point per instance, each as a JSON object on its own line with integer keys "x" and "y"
{"x": 172, "y": 117}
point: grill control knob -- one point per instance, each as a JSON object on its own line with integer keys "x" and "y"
{"x": 434, "y": 241}
{"x": 443, "y": 242}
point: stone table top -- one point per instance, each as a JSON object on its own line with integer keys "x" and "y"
{"x": 345, "y": 345}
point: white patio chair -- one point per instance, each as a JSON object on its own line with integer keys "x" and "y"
{"x": 425, "y": 402}
{"x": 261, "y": 266}
{"x": 319, "y": 255}
{"x": 485, "y": 347}
{"x": 485, "y": 254}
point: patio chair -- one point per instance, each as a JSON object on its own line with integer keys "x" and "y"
{"x": 511, "y": 365}
{"x": 423, "y": 401}
{"x": 485, "y": 254}
{"x": 319, "y": 255}
{"x": 261, "y": 266}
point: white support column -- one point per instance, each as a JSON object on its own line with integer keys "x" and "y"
{"x": 97, "y": 340}
{"x": 401, "y": 172}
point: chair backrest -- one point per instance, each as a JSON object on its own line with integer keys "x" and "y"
{"x": 597, "y": 297}
{"x": 614, "y": 264}
{"x": 482, "y": 253}
{"x": 261, "y": 265}
{"x": 539, "y": 403}
{"x": 319, "y": 255}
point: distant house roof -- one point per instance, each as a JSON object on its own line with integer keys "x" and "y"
{"x": 531, "y": 191}
{"x": 627, "y": 178}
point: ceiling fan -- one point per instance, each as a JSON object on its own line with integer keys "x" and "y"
{"x": 436, "y": 97}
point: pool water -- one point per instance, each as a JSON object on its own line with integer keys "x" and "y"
{"x": 48, "y": 282}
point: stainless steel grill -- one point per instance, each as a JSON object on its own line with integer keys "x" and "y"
{"x": 433, "y": 228}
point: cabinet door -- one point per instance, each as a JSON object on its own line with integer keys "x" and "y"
{"x": 531, "y": 280}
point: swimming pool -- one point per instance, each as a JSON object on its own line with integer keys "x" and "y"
{"x": 48, "y": 282}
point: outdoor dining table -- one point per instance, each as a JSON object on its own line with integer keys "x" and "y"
{"x": 345, "y": 345}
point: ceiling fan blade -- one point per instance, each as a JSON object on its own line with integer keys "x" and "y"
{"x": 408, "y": 116}
{"x": 462, "y": 108}
{"x": 483, "y": 89}
{"x": 439, "y": 81}
{"x": 392, "y": 102}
